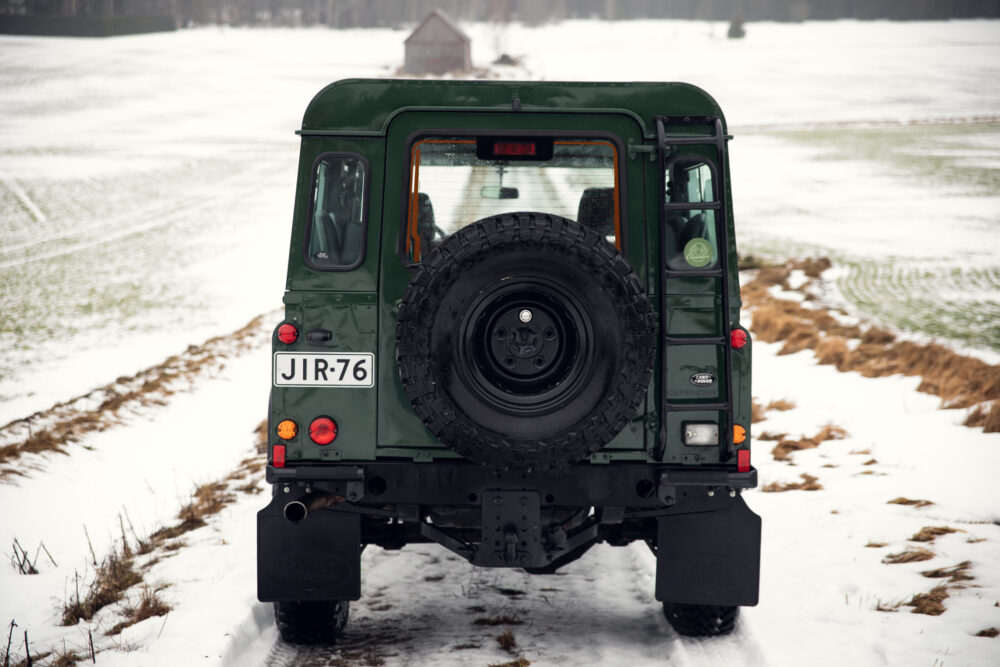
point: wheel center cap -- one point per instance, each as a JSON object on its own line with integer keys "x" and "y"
{"x": 524, "y": 342}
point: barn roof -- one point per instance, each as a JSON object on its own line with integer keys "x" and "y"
{"x": 447, "y": 20}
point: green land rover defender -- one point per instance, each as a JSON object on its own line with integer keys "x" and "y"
{"x": 511, "y": 328}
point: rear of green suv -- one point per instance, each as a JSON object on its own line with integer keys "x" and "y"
{"x": 511, "y": 328}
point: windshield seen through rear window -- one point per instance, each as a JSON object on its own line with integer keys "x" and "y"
{"x": 452, "y": 184}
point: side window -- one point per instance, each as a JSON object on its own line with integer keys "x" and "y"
{"x": 690, "y": 208}
{"x": 336, "y": 231}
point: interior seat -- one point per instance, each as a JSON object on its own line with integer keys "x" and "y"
{"x": 597, "y": 210}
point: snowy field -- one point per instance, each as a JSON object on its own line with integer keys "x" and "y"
{"x": 146, "y": 189}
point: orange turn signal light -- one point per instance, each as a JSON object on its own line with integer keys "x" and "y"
{"x": 287, "y": 429}
{"x": 739, "y": 434}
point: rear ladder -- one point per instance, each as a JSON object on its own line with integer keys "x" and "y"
{"x": 665, "y": 146}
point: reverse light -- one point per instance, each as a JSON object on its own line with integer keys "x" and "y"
{"x": 288, "y": 334}
{"x": 700, "y": 434}
{"x": 287, "y": 429}
{"x": 278, "y": 456}
{"x": 323, "y": 430}
{"x": 739, "y": 434}
{"x": 738, "y": 338}
{"x": 743, "y": 460}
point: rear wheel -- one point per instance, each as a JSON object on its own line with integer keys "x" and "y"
{"x": 313, "y": 622}
{"x": 701, "y": 620}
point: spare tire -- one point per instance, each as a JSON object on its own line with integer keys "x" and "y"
{"x": 525, "y": 340}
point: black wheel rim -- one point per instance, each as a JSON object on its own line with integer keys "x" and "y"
{"x": 525, "y": 346}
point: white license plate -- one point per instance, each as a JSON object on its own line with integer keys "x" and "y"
{"x": 311, "y": 369}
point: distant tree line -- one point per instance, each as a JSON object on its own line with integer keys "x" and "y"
{"x": 396, "y": 13}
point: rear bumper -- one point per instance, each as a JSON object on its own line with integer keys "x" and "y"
{"x": 706, "y": 539}
{"x": 639, "y": 486}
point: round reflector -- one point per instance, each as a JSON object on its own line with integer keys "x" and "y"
{"x": 738, "y": 338}
{"x": 739, "y": 434}
{"x": 288, "y": 334}
{"x": 287, "y": 429}
{"x": 323, "y": 430}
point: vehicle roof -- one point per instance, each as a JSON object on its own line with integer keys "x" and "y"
{"x": 366, "y": 106}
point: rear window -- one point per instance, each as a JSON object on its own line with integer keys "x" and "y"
{"x": 455, "y": 181}
{"x": 336, "y": 231}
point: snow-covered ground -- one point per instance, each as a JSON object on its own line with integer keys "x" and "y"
{"x": 146, "y": 190}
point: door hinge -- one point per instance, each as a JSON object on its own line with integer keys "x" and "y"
{"x": 635, "y": 149}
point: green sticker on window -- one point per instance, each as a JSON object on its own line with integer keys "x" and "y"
{"x": 698, "y": 252}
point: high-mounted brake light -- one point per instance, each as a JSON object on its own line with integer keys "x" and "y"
{"x": 738, "y": 338}
{"x": 288, "y": 334}
{"x": 287, "y": 429}
{"x": 515, "y": 148}
{"x": 743, "y": 460}
{"x": 323, "y": 430}
{"x": 278, "y": 456}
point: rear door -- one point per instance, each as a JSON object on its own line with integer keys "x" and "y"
{"x": 417, "y": 183}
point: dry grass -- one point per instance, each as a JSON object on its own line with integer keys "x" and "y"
{"x": 149, "y": 605}
{"x": 118, "y": 572}
{"x": 909, "y": 556}
{"x": 960, "y": 381}
{"x": 907, "y": 501}
{"x": 800, "y": 339}
{"x": 877, "y": 545}
{"x": 988, "y": 632}
{"x": 930, "y": 603}
{"x": 114, "y": 575}
{"x": 929, "y": 533}
{"x": 783, "y": 450}
{"x": 808, "y": 483}
{"x": 985, "y": 415}
{"x": 955, "y": 573}
{"x": 260, "y": 434}
{"x": 507, "y": 641}
{"x": 206, "y": 500}
{"x": 498, "y": 620}
{"x": 878, "y": 336}
{"x": 65, "y": 658}
{"x": 520, "y": 662}
{"x": 54, "y": 429}
{"x": 812, "y": 266}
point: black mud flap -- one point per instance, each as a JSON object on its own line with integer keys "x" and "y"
{"x": 318, "y": 558}
{"x": 709, "y": 558}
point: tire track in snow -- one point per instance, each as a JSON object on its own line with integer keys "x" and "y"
{"x": 419, "y": 607}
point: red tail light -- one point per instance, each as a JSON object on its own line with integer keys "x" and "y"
{"x": 278, "y": 456}
{"x": 743, "y": 460}
{"x": 515, "y": 148}
{"x": 288, "y": 334}
{"x": 738, "y": 338}
{"x": 323, "y": 430}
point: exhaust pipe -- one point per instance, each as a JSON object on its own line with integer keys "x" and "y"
{"x": 297, "y": 510}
